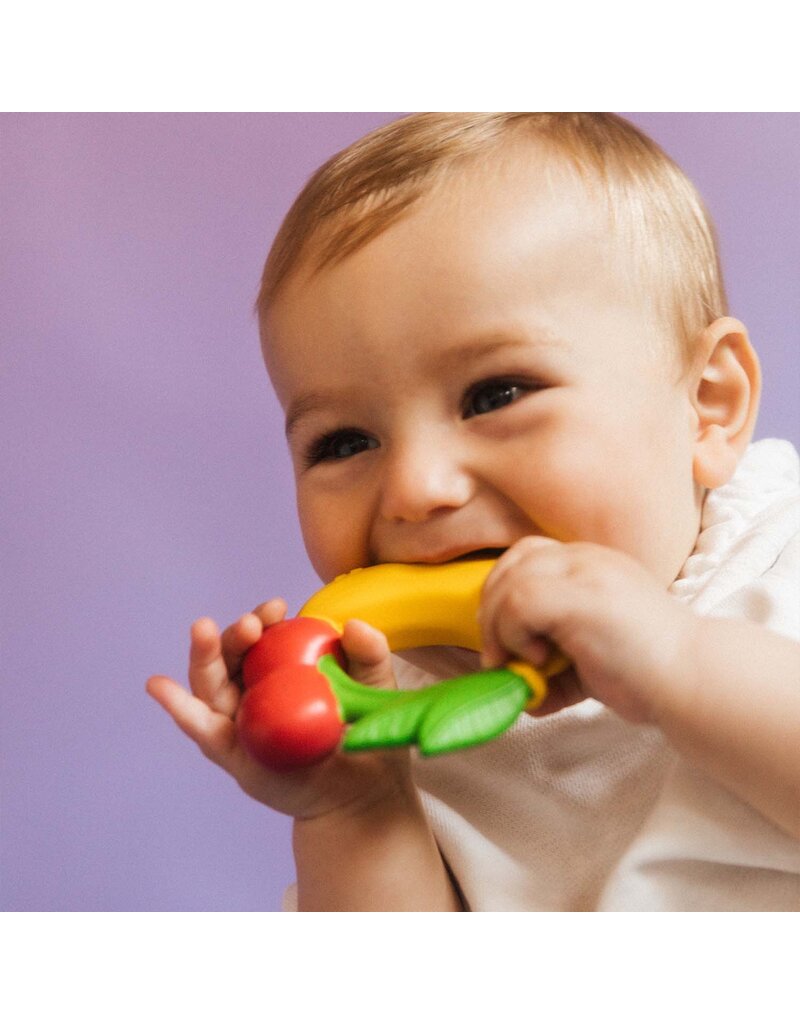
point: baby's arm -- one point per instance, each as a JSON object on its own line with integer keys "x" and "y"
{"x": 361, "y": 839}
{"x": 737, "y": 714}
{"x": 726, "y": 693}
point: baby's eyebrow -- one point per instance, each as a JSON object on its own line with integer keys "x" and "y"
{"x": 312, "y": 401}
{"x": 489, "y": 344}
{"x": 317, "y": 401}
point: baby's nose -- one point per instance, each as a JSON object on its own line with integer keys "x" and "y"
{"x": 422, "y": 478}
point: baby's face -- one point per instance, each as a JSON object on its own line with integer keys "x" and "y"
{"x": 479, "y": 372}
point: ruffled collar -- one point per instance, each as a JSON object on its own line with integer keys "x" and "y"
{"x": 767, "y": 475}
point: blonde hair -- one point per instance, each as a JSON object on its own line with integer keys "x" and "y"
{"x": 362, "y": 190}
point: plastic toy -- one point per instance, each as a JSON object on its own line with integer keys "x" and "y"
{"x": 299, "y": 699}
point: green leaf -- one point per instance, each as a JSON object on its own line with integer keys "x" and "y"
{"x": 450, "y": 715}
{"x": 479, "y": 708}
{"x": 393, "y": 725}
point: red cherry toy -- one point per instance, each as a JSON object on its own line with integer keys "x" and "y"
{"x": 290, "y": 718}
{"x": 300, "y": 641}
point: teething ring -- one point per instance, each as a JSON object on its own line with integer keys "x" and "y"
{"x": 299, "y": 698}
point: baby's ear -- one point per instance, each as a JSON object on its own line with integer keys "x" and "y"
{"x": 726, "y": 386}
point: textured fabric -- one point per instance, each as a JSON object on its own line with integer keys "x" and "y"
{"x": 583, "y": 811}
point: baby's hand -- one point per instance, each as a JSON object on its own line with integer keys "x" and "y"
{"x": 624, "y": 634}
{"x": 208, "y": 716}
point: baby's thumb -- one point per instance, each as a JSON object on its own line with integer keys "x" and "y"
{"x": 368, "y": 657}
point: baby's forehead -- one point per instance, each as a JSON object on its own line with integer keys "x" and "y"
{"x": 518, "y": 172}
{"x": 472, "y": 195}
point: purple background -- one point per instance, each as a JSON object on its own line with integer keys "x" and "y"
{"x": 145, "y": 482}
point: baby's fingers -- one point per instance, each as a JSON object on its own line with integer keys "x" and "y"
{"x": 238, "y": 638}
{"x": 208, "y": 673}
{"x": 215, "y": 734}
{"x": 368, "y": 657}
{"x": 513, "y": 639}
{"x": 270, "y": 612}
{"x": 513, "y": 623}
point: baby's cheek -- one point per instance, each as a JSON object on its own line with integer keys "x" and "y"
{"x": 564, "y": 492}
{"x": 333, "y": 537}
{"x": 319, "y": 540}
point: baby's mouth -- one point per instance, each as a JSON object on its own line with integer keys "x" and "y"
{"x": 480, "y": 554}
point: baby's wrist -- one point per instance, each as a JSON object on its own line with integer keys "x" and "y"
{"x": 675, "y": 683}
{"x": 372, "y": 855}
{"x": 356, "y": 824}
{"x": 393, "y": 794}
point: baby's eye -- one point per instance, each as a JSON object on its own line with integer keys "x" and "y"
{"x": 339, "y": 444}
{"x": 492, "y": 394}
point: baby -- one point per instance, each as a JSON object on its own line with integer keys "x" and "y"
{"x": 509, "y": 332}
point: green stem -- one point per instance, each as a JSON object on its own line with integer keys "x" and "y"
{"x": 450, "y": 713}
{"x": 355, "y": 699}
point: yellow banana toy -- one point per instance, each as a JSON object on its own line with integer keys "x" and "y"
{"x": 413, "y": 605}
{"x": 299, "y": 699}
